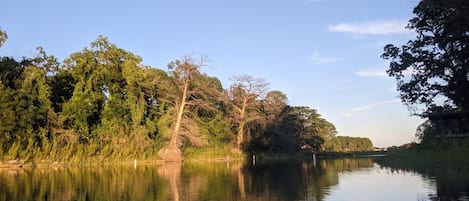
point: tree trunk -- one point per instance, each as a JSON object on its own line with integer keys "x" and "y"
{"x": 175, "y": 136}
{"x": 242, "y": 123}
{"x": 172, "y": 152}
{"x": 241, "y": 134}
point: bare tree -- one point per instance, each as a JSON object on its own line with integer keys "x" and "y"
{"x": 244, "y": 95}
{"x": 189, "y": 89}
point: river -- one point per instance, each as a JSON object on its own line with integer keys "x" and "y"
{"x": 354, "y": 179}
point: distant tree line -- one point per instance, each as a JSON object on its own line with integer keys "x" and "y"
{"x": 349, "y": 144}
{"x": 103, "y": 102}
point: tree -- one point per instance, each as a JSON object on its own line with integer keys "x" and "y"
{"x": 110, "y": 99}
{"x": 284, "y": 133}
{"x": 33, "y": 104}
{"x": 274, "y": 103}
{"x": 349, "y": 144}
{"x": 188, "y": 88}
{"x": 10, "y": 71}
{"x": 432, "y": 71}
{"x": 312, "y": 130}
{"x": 25, "y": 99}
{"x": 244, "y": 95}
{"x": 3, "y": 37}
{"x": 62, "y": 85}
{"x": 207, "y": 109}
{"x": 270, "y": 129}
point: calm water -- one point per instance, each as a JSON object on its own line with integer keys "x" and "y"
{"x": 341, "y": 180}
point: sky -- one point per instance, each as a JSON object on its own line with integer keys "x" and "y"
{"x": 324, "y": 54}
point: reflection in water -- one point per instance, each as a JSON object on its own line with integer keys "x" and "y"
{"x": 451, "y": 181}
{"x": 171, "y": 172}
{"x": 341, "y": 179}
{"x": 79, "y": 183}
{"x": 452, "y": 184}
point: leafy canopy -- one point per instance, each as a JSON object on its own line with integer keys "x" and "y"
{"x": 432, "y": 70}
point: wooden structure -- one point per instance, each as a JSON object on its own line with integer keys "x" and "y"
{"x": 450, "y": 124}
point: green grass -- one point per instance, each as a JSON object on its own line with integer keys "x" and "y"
{"x": 437, "y": 153}
{"x": 211, "y": 153}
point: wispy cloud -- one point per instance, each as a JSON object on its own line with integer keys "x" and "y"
{"x": 316, "y": 58}
{"x": 373, "y": 28}
{"x": 369, "y": 106}
{"x": 372, "y": 73}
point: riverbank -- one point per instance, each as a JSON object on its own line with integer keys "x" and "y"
{"x": 439, "y": 153}
{"x": 315, "y": 155}
{"x": 82, "y": 156}
{"x": 92, "y": 155}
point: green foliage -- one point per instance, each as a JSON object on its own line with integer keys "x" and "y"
{"x": 432, "y": 70}
{"x": 436, "y": 153}
{"x": 348, "y": 144}
{"x": 3, "y": 37}
{"x": 221, "y": 153}
{"x": 7, "y": 106}
{"x": 10, "y": 71}
{"x": 101, "y": 104}
{"x": 299, "y": 128}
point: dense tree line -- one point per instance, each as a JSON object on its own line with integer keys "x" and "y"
{"x": 349, "y": 144}
{"x": 103, "y": 102}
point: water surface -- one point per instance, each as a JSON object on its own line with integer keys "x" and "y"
{"x": 334, "y": 180}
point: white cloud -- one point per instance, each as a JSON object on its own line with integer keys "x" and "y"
{"x": 373, "y": 28}
{"x": 318, "y": 59}
{"x": 372, "y": 73}
{"x": 369, "y": 106}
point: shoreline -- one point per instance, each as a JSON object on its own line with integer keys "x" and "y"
{"x": 41, "y": 163}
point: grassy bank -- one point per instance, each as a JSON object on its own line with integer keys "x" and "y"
{"x": 212, "y": 154}
{"x": 79, "y": 154}
{"x": 94, "y": 153}
{"x": 438, "y": 153}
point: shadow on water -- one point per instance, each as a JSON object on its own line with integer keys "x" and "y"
{"x": 451, "y": 181}
{"x": 270, "y": 180}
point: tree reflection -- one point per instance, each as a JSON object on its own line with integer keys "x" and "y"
{"x": 278, "y": 180}
{"x": 172, "y": 173}
{"x": 79, "y": 183}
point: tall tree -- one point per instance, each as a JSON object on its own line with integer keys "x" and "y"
{"x": 274, "y": 103}
{"x": 188, "y": 88}
{"x": 10, "y": 71}
{"x": 306, "y": 120}
{"x": 33, "y": 104}
{"x": 432, "y": 71}
{"x": 24, "y": 99}
{"x": 308, "y": 127}
{"x": 245, "y": 94}
{"x": 105, "y": 78}
{"x": 274, "y": 137}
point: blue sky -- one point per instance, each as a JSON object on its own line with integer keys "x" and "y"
{"x": 322, "y": 53}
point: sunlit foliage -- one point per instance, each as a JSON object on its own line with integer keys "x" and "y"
{"x": 103, "y": 104}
